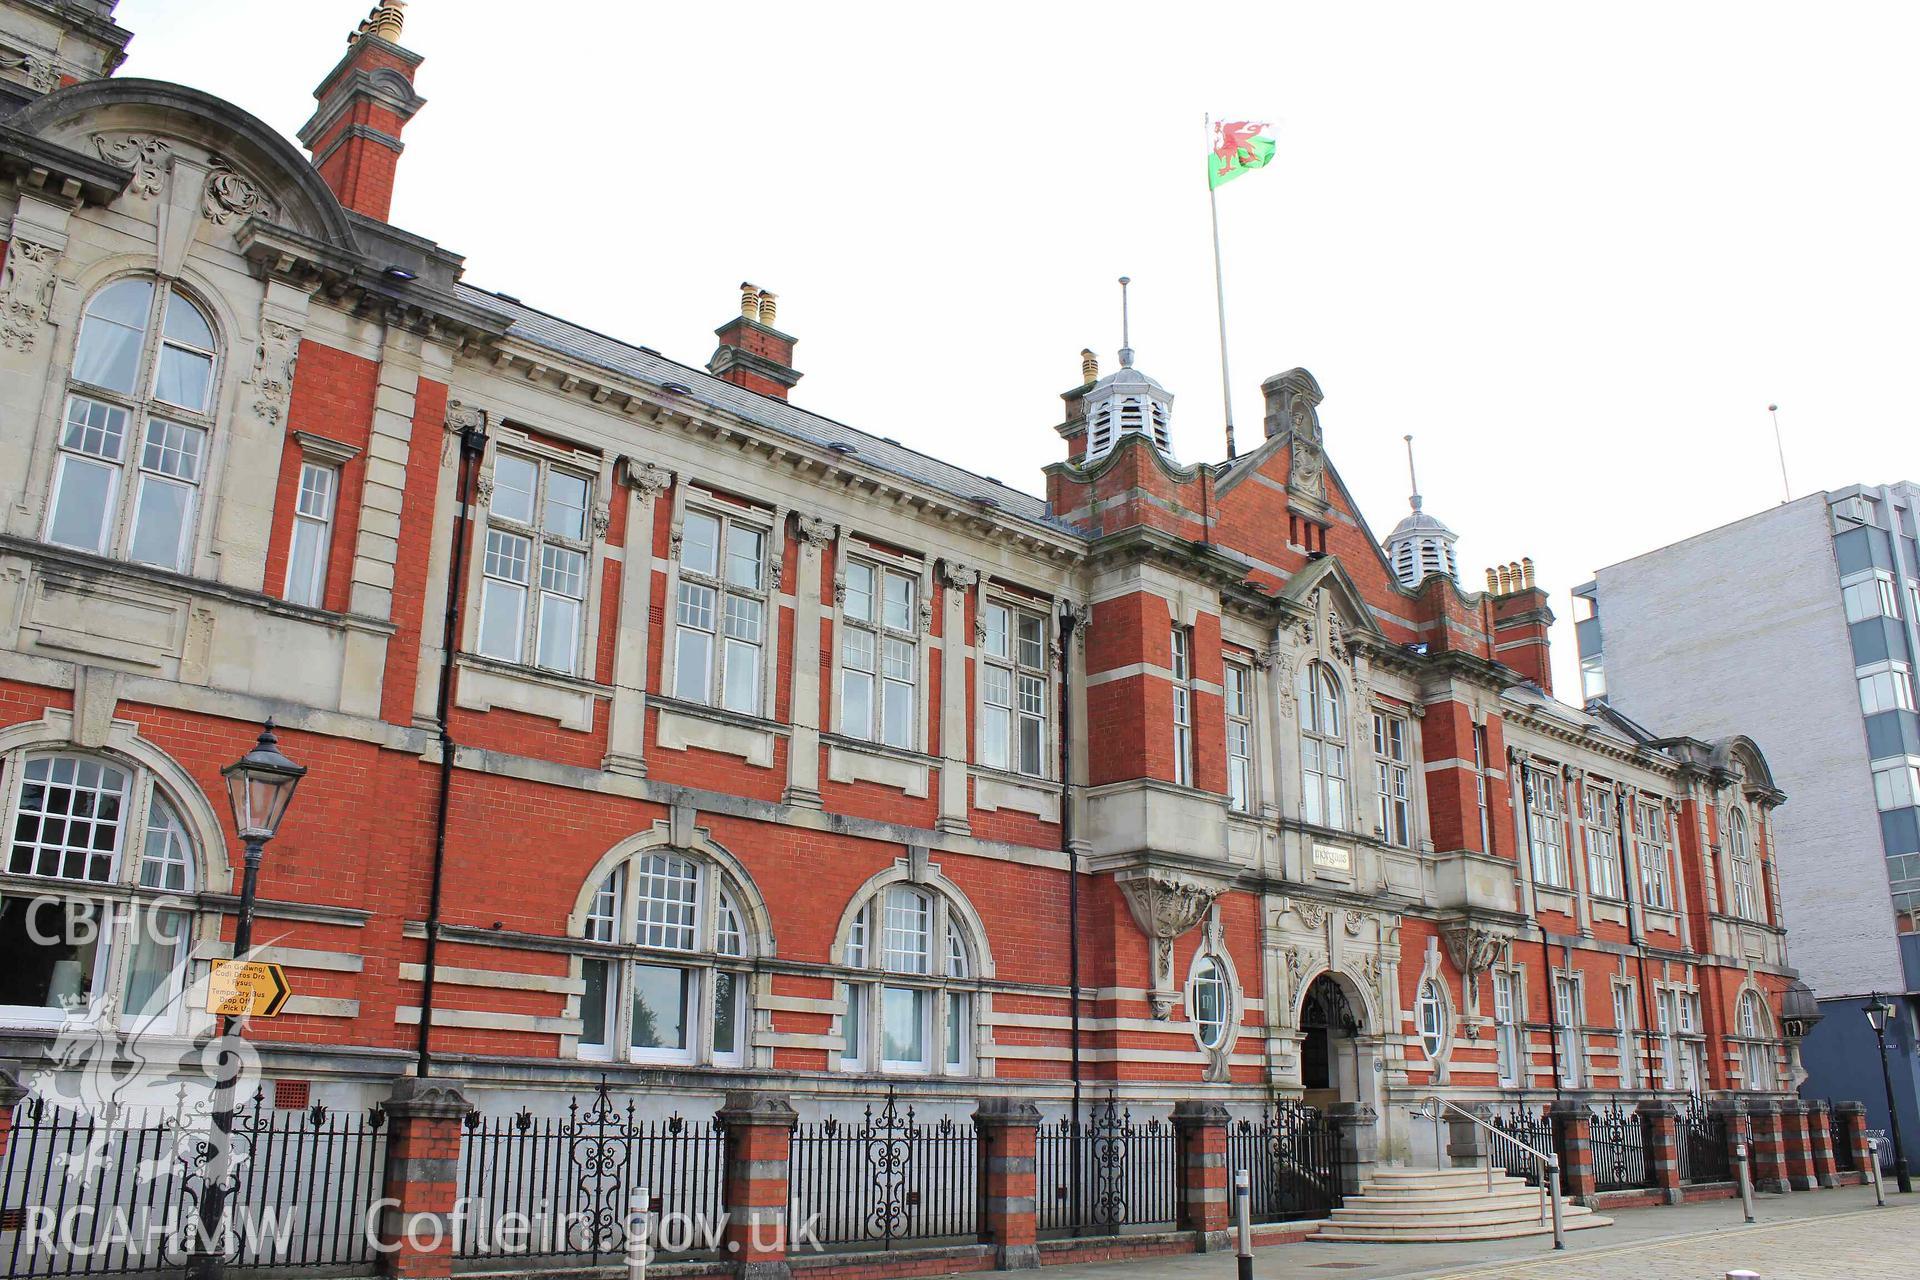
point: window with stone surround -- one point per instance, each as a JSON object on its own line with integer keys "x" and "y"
{"x": 909, "y": 964}
{"x": 1431, "y": 1017}
{"x": 535, "y": 563}
{"x": 669, "y": 980}
{"x": 1568, "y": 1029}
{"x": 135, "y": 425}
{"x": 1014, "y": 688}
{"x": 721, "y": 609}
{"x": 1182, "y": 683}
{"x": 1209, "y": 1002}
{"x": 1509, "y": 1017}
{"x": 1239, "y": 710}
{"x": 880, "y": 657}
{"x": 1480, "y": 787}
{"x": 1546, "y": 837}
{"x": 1650, "y": 850}
{"x": 1600, "y": 829}
{"x": 1323, "y": 747}
{"x": 1741, "y": 868}
{"x": 1393, "y": 783}
{"x": 1755, "y": 1043}
{"x": 1623, "y": 1022}
{"x": 90, "y": 917}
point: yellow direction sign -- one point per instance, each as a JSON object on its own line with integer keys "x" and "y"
{"x": 247, "y": 989}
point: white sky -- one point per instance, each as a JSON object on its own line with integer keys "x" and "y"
{"x": 1575, "y": 251}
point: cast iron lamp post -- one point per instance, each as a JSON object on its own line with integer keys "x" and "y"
{"x": 260, "y": 785}
{"x": 1878, "y": 1011}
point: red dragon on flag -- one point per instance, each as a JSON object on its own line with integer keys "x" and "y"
{"x": 1237, "y": 147}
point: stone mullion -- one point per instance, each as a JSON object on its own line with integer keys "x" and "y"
{"x": 627, "y": 724}
{"x": 1573, "y": 797}
{"x": 956, "y": 642}
{"x": 803, "y": 752}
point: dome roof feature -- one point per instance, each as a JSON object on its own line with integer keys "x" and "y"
{"x": 1127, "y": 402}
{"x": 1420, "y": 544}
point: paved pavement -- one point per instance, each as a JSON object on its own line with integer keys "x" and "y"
{"x": 1824, "y": 1235}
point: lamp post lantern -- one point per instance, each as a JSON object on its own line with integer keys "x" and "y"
{"x": 1878, "y": 1011}
{"x": 260, "y": 786}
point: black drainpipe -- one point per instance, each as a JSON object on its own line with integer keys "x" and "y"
{"x": 473, "y": 442}
{"x": 1067, "y": 621}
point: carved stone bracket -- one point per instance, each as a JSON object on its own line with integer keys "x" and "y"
{"x": 1473, "y": 948}
{"x": 1165, "y": 904}
{"x": 648, "y": 479}
{"x": 143, "y": 157}
{"x": 231, "y": 195}
{"x": 955, "y": 574}
{"x": 273, "y": 363}
{"x": 816, "y": 531}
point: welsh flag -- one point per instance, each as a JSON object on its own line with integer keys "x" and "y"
{"x": 1237, "y": 147}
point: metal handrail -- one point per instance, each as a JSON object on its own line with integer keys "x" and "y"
{"x": 1435, "y": 1108}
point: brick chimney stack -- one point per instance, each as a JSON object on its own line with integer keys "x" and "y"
{"x": 752, "y": 353}
{"x": 1521, "y": 620}
{"x": 365, "y": 101}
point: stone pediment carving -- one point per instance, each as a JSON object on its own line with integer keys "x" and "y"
{"x": 1166, "y": 904}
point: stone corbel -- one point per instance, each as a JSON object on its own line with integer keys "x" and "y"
{"x": 1165, "y": 904}
{"x": 1473, "y": 949}
{"x": 648, "y": 479}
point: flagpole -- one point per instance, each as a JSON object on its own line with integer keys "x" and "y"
{"x": 1219, "y": 291}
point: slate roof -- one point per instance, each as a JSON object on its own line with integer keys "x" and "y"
{"x": 597, "y": 349}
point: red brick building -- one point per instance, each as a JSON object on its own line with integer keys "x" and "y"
{"x": 765, "y": 751}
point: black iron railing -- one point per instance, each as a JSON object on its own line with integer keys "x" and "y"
{"x": 1620, "y": 1150}
{"x": 1702, "y": 1143}
{"x": 1514, "y": 1132}
{"x": 117, "y": 1190}
{"x": 1128, "y": 1173}
{"x": 1291, "y": 1159}
{"x": 886, "y": 1179}
{"x": 561, "y": 1186}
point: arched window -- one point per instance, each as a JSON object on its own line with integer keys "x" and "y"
{"x": 1323, "y": 747}
{"x": 98, "y": 851}
{"x": 1746, "y": 898}
{"x": 1756, "y": 1045}
{"x": 133, "y": 431}
{"x": 1210, "y": 1002}
{"x": 1430, "y": 1017}
{"x": 669, "y": 982}
{"x": 909, "y": 1008}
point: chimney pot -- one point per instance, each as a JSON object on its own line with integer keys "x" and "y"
{"x": 1493, "y": 583}
{"x": 768, "y": 305}
{"x": 1089, "y": 366}
{"x": 1526, "y": 570}
{"x": 752, "y": 354}
{"x": 364, "y": 104}
{"x": 749, "y": 301}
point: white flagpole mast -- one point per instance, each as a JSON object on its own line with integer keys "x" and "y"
{"x": 1219, "y": 291}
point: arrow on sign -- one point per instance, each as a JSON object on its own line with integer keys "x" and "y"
{"x": 247, "y": 989}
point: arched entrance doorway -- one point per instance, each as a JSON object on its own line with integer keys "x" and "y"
{"x": 1329, "y": 1045}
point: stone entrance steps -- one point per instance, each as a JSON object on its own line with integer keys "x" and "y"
{"x": 1429, "y": 1205}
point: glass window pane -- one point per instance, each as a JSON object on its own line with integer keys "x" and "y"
{"x": 566, "y": 509}
{"x": 1033, "y": 641}
{"x": 899, "y": 603}
{"x": 903, "y": 1031}
{"x": 746, "y": 548}
{"x": 906, "y": 945}
{"x": 995, "y": 733}
{"x": 858, "y": 604}
{"x": 559, "y": 633}
{"x": 82, "y": 499}
{"x": 742, "y": 692}
{"x": 108, "y": 353}
{"x": 503, "y": 609}
{"x": 172, "y": 450}
{"x": 57, "y": 970}
{"x": 856, "y": 649}
{"x": 700, "y": 543}
{"x": 852, "y": 1026}
{"x": 185, "y": 378}
{"x": 167, "y": 860}
{"x": 95, "y": 428}
{"x": 999, "y": 625}
{"x": 185, "y": 323}
{"x": 1032, "y": 746}
{"x": 692, "y": 665}
{"x": 956, "y": 1030}
{"x": 306, "y": 563}
{"x": 160, "y": 521}
{"x": 726, "y": 1013}
{"x": 593, "y": 1002}
{"x": 896, "y": 721}
{"x": 514, "y": 479}
{"x": 563, "y": 570}
{"x": 897, "y": 659}
{"x": 158, "y": 954}
{"x": 508, "y": 556}
{"x": 668, "y": 894}
{"x": 660, "y": 1006}
{"x": 856, "y": 703}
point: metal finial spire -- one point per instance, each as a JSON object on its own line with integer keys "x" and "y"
{"x": 1413, "y": 481}
{"x": 1126, "y": 343}
{"x": 1786, "y": 490}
